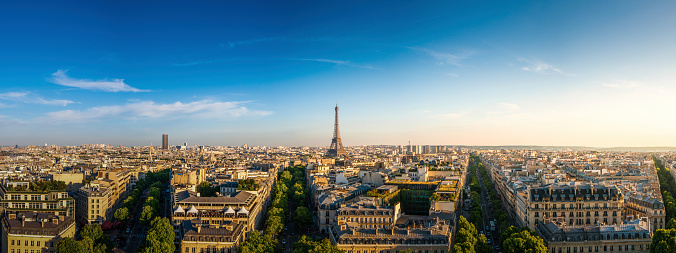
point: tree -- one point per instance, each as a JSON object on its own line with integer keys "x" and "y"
{"x": 87, "y": 243}
{"x": 257, "y": 243}
{"x": 275, "y": 225}
{"x": 671, "y": 224}
{"x": 100, "y": 248}
{"x": 92, "y": 231}
{"x": 206, "y": 190}
{"x": 407, "y": 251}
{"x": 147, "y": 214}
{"x": 302, "y": 216}
{"x": 162, "y": 230}
{"x": 129, "y": 202}
{"x": 155, "y": 246}
{"x": 122, "y": 214}
{"x": 307, "y": 245}
{"x": 524, "y": 241}
{"x": 154, "y": 192}
{"x": 69, "y": 245}
{"x": 664, "y": 240}
{"x": 286, "y": 176}
{"x": 106, "y": 241}
{"x": 154, "y": 203}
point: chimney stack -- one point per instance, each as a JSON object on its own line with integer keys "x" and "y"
{"x": 199, "y": 229}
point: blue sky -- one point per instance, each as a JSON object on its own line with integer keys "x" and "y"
{"x": 436, "y": 72}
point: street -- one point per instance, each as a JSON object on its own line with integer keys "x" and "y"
{"x": 487, "y": 214}
{"x": 137, "y": 233}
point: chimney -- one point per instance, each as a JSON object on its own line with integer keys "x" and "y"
{"x": 199, "y": 229}
{"x": 42, "y": 223}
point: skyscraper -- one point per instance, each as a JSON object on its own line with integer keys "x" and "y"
{"x": 165, "y": 141}
{"x": 336, "y": 148}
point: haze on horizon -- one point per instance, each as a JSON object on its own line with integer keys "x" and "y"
{"x": 571, "y": 73}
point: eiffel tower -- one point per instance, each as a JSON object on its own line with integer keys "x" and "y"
{"x": 336, "y": 148}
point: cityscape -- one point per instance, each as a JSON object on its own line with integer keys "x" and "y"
{"x": 337, "y": 127}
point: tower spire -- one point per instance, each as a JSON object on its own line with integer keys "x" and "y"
{"x": 336, "y": 148}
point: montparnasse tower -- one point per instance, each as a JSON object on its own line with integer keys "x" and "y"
{"x": 336, "y": 148}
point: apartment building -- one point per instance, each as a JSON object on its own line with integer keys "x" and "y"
{"x": 575, "y": 204}
{"x": 419, "y": 234}
{"x": 366, "y": 214}
{"x": 35, "y": 232}
{"x": 639, "y": 206}
{"x": 93, "y": 204}
{"x": 52, "y": 201}
{"x": 630, "y": 237}
{"x": 201, "y": 238}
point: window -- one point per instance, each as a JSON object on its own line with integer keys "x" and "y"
{"x": 12, "y": 243}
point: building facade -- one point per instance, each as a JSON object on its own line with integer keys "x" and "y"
{"x": 431, "y": 235}
{"x": 629, "y": 237}
{"x": 56, "y": 202}
{"x": 93, "y": 204}
{"x": 35, "y": 232}
{"x": 203, "y": 238}
{"x": 573, "y": 205}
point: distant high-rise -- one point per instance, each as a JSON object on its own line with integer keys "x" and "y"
{"x": 336, "y": 148}
{"x": 165, "y": 141}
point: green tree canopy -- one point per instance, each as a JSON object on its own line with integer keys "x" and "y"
{"x": 307, "y": 245}
{"x": 162, "y": 230}
{"x": 671, "y": 224}
{"x": 664, "y": 240}
{"x": 524, "y": 241}
{"x": 69, "y": 245}
{"x": 92, "y": 231}
{"x": 122, "y": 214}
{"x": 302, "y": 216}
{"x": 206, "y": 190}
{"x": 286, "y": 176}
{"x": 155, "y": 192}
{"x": 147, "y": 214}
{"x": 257, "y": 243}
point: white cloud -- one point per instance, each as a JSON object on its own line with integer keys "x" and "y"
{"x": 114, "y": 85}
{"x": 26, "y": 97}
{"x": 541, "y": 67}
{"x": 621, "y": 84}
{"x": 151, "y": 110}
{"x": 508, "y": 106}
{"x": 8, "y": 121}
{"x": 339, "y": 62}
{"x": 442, "y": 57}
